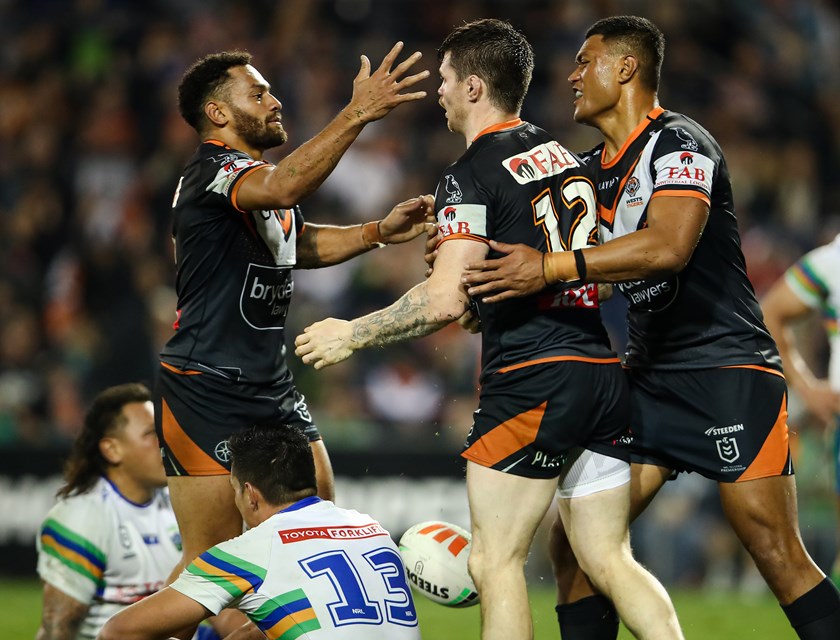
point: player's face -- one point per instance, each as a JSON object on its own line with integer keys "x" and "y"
{"x": 452, "y": 95}
{"x": 139, "y": 446}
{"x": 595, "y": 81}
{"x": 255, "y": 111}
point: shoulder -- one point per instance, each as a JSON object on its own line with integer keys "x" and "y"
{"x": 679, "y": 132}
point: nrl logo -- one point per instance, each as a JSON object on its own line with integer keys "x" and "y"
{"x": 727, "y": 449}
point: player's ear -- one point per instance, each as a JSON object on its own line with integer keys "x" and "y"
{"x": 216, "y": 113}
{"x": 110, "y": 450}
{"x": 252, "y": 496}
{"x": 475, "y": 87}
{"x": 628, "y": 68}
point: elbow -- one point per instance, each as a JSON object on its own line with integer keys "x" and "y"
{"x": 672, "y": 262}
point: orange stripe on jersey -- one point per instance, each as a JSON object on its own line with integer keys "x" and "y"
{"x": 756, "y": 367}
{"x": 289, "y": 622}
{"x": 608, "y": 213}
{"x": 241, "y": 583}
{"x": 218, "y": 143}
{"x": 194, "y": 461}
{"x": 774, "y": 453}
{"x": 501, "y": 126}
{"x": 507, "y": 438}
{"x": 653, "y": 115}
{"x": 176, "y": 370}
{"x": 673, "y": 193}
{"x": 239, "y": 184}
{"x": 530, "y": 363}
{"x": 463, "y": 236}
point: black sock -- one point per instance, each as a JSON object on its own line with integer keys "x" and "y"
{"x": 592, "y": 618}
{"x": 816, "y": 614}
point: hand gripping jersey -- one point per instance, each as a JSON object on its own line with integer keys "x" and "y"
{"x": 311, "y": 571}
{"x": 100, "y": 548}
{"x": 515, "y": 184}
{"x": 234, "y": 272}
{"x": 815, "y": 279}
{"x": 707, "y": 315}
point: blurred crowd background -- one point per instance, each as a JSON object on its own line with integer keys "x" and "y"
{"x": 91, "y": 147}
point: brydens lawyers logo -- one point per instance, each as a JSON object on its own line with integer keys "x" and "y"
{"x": 441, "y": 533}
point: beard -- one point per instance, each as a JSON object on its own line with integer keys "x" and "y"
{"x": 257, "y": 133}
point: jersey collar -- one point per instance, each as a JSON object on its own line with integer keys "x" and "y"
{"x": 300, "y": 504}
{"x": 653, "y": 115}
{"x": 501, "y": 126}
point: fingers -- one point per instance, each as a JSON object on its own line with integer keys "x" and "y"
{"x": 406, "y": 64}
{"x": 410, "y": 81}
{"x": 479, "y": 273}
{"x": 501, "y": 246}
{"x": 389, "y": 58}
{"x": 364, "y": 69}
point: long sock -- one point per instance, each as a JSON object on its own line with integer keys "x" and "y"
{"x": 816, "y": 614}
{"x": 592, "y": 618}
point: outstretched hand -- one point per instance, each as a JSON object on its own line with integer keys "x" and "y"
{"x": 517, "y": 273}
{"x": 408, "y": 220}
{"x": 324, "y": 343}
{"x": 376, "y": 94}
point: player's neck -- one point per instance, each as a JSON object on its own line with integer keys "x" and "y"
{"x": 483, "y": 119}
{"x": 234, "y": 142}
{"x": 619, "y": 123}
{"x": 130, "y": 488}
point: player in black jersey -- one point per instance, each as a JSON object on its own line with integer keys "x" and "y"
{"x": 238, "y": 234}
{"x": 552, "y": 403}
{"x": 707, "y": 390}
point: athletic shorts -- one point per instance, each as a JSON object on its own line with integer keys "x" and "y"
{"x": 196, "y": 412}
{"x": 727, "y": 424}
{"x": 528, "y": 419}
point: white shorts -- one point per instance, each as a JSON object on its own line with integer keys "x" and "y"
{"x": 587, "y": 472}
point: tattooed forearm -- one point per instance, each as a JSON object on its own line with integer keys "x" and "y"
{"x": 412, "y": 316}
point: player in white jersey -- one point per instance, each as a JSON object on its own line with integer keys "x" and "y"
{"x": 305, "y": 569}
{"x": 811, "y": 286}
{"x": 112, "y": 538}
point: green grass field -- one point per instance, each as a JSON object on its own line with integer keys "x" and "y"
{"x": 704, "y": 616}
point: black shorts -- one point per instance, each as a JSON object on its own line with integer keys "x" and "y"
{"x": 196, "y": 412}
{"x": 529, "y": 418}
{"x": 727, "y": 424}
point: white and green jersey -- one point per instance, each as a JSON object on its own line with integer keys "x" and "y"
{"x": 815, "y": 279}
{"x": 100, "y": 548}
{"x": 312, "y": 571}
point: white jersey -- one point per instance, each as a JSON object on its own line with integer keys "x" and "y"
{"x": 312, "y": 571}
{"x": 101, "y": 548}
{"x": 815, "y": 279}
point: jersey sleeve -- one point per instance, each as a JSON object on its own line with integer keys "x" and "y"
{"x": 223, "y": 575}
{"x": 684, "y": 164}
{"x": 71, "y": 548}
{"x": 229, "y": 168}
{"x": 459, "y": 207}
{"x": 809, "y": 277}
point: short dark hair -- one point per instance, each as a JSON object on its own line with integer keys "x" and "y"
{"x": 206, "y": 79}
{"x": 495, "y": 52}
{"x": 86, "y": 463}
{"x": 276, "y": 459}
{"x": 638, "y": 36}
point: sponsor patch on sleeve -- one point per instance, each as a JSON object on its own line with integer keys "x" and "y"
{"x": 684, "y": 168}
{"x": 230, "y": 166}
{"x": 463, "y": 219}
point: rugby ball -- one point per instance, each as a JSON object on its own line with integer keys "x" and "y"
{"x": 435, "y": 555}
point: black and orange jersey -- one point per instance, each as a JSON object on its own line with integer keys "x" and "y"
{"x": 707, "y": 315}
{"x": 516, "y": 184}
{"x": 234, "y": 272}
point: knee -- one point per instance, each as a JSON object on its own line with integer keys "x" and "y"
{"x": 493, "y": 558}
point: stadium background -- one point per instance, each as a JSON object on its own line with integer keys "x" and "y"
{"x": 91, "y": 147}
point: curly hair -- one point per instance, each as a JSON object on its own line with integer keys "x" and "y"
{"x": 86, "y": 463}
{"x": 206, "y": 78}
